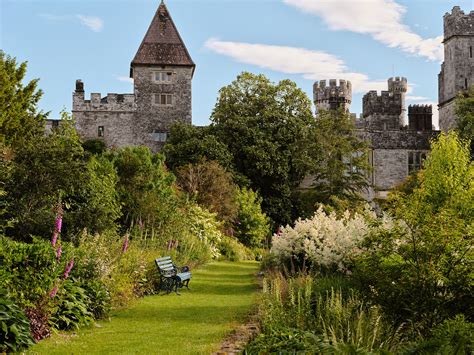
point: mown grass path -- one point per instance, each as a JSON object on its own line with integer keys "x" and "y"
{"x": 196, "y": 322}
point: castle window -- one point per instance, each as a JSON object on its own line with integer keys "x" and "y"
{"x": 163, "y": 77}
{"x": 415, "y": 161}
{"x": 100, "y": 131}
{"x": 465, "y": 83}
{"x": 159, "y": 136}
{"x": 470, "y": 52}
{"x": 164, "y": 99}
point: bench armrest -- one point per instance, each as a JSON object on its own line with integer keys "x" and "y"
{"x": 184, "y": 268}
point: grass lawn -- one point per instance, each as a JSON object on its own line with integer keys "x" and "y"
{"x": 221, "y": 295}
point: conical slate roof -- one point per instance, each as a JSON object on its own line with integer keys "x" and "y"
{"x": 162, "y": 44}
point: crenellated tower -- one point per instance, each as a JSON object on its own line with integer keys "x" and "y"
{"x": 332, "y": 96}
{"x": 386, "y": 111}
{"x": 162, "y": 72}
{"x": 457, "y": 70}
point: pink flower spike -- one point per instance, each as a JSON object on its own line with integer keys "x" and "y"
{"x": 68, "y": 269}
{"x": 59, "y": 252}
{"x": 59, "y": 223}
{"x": 55, "y": 239}
{"x": 125, "y": 244}
{"x": 53, "y": 292}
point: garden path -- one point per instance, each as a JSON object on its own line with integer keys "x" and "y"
{"x": 221, "y": 296}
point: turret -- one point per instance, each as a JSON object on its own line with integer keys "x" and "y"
{"x": 332, "y": 96}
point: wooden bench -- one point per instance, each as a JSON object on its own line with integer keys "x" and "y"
{"x": 172, "y": 276}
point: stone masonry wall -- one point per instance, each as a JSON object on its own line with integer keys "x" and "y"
{"x": 151, "y": 117}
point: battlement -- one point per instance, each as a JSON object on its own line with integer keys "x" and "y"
{"x": 420, "y": 117}
{"x": 336, "y": 94}
{"x": 398, "y": 84}
{"x": 458, "y": 23}
{"x": 111, "y": 102}
{"x": 420, "y": 109}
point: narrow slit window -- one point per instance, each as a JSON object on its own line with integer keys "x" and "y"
{"x": 100, "y": 131}
{"x": 470, "y": 52}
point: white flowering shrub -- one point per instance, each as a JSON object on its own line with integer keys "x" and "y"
{"x": 324, "y": 240}
{"x": 207, "y": 228}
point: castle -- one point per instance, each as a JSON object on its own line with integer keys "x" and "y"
{"x": 162, "y": 71}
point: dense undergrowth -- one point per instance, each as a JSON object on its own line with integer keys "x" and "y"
{"x": 399, "y": 283}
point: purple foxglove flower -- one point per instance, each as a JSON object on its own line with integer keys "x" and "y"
{"x": 53, "y": 292}
{"x": 68, "y": 269}
{"x": 59, "y": 223}
{"x": 125, "y": 244}
{"x": 59, "y": 252}
{"x": 55, "y": 239}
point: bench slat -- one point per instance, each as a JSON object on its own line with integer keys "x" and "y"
{"x": 166, "y": 258}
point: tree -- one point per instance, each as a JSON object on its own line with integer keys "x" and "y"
{"x": 263, "y": 125}
{"x": 188, "y": 144}
{"x": 465, "y": 116}
{"x": 19, "y": 118}
{"x": 146, "y": 189}
{"x": 423, "y": 272}
{"x": 211, "y": 186}
{"x": 52, "y": 169}
{"x": 338, "y": 162}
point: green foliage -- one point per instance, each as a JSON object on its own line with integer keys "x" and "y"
{"x": 211, "y": 186}
{"x": 71, "y": 312}
{"x": 29, "y": 271}
{"x": 464, "y": 111}
{"x": 19, "y": 119}
{"x": 52, "y": 168}
{"x": 14, "y": 326}
{"x": 145, "y": 188}
{"x": 94, "y": 146}
{"x": 423, "y": 273}
{"x": 230, "y": 249}
{"x": 262, "y": 124}
{"x": 189, "y": 144}
{"x": 252, "y": 227}
{"x": 337, "y": 160}
{"x": 313, "y": 316}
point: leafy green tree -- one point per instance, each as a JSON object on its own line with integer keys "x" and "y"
{"x": 252, "y": 226}
{"x": 338, "y": 162}
{"x": 423, "y": 272}
{"x": 263, "y": 125}
{"x": 465, "y": 116}
{"x": 211, "y": 186}
{"x": 146, "y": 189}
{"x": 189, "y": 144}
{"x": 19, "y": 118}
{"x": 52, "y": 168}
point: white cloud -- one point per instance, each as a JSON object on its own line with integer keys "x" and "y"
{"x": 382, "y": 19}
{"x": 312, "y": 65}
{"x": 125, "y": 79}
{"x": 416, "y": 98}
{"x": 94, "y": 23}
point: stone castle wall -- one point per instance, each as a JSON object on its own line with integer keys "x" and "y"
{"x": 457, "y": 70}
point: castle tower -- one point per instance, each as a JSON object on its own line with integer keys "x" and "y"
{"x": 162, "y": 70}
{"x": 420, "y": 117}
{"x": 333, "y": 96}
{"x": 386, "y": 111}
{"x": 457, "y": 70}
{"x": 399, "y": 85}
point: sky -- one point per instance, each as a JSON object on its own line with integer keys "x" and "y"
{"x": 364, "y": 41}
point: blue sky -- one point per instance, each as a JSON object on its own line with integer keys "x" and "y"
{"x": 365, "y": 41}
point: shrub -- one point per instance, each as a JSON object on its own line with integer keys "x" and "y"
{"x": 423, "y": 273}
{"x": 71, "y": 312}
{"x": 232, "y": 250}
{"x": 14, "y": 326}
{"x": 252, "y": 226}
{"x": 324, "y": 242}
